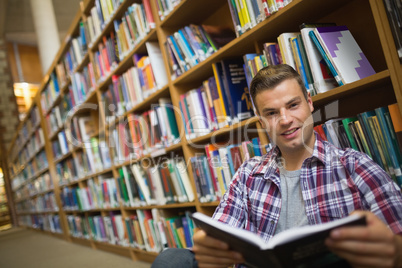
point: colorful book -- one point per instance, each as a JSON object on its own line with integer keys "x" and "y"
{"x": 344, "y": 53}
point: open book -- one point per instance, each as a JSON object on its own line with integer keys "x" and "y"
{"x": 297, "y": 247}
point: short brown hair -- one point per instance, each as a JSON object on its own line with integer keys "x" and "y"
{"x": 271, "y": 76}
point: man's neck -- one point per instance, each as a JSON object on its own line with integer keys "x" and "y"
{"x": 293, "y": 160}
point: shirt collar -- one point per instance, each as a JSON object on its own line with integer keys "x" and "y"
{"x": 269, "y": 165}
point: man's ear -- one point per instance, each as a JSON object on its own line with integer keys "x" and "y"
{"x": 310, "y": 102}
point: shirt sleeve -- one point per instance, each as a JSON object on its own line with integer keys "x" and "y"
{"x": 381, "y": 194}
{"x": 232, "y": 209}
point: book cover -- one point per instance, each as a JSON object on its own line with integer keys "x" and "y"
{"x": 344, "y": 53}
{"x": 236, "y": 90}
{"x": 325, "y": 57}
{"x": 296, "y": 247}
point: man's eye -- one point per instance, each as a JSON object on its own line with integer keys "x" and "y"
{"x": 294, "y": 105}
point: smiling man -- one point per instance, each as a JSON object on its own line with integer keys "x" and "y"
{"x": 303, "y": 180}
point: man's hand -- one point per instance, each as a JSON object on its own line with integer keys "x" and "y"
{"x": 210, "y": 252}
{"x": 374, "y": 245}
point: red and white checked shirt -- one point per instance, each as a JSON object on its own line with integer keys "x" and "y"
{"x": 334, "y": 183}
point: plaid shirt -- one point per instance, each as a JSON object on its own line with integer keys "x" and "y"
{"x": 334, "y": 183}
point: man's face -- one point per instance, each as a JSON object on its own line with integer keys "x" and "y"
{"x": 286, "y": 115}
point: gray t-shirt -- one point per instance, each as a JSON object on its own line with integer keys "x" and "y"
{"x": 293, "y": 212}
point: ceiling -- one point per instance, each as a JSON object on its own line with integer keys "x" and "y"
{"x": 16, "y": 21}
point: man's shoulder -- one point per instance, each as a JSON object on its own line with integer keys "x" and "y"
{"x": 346, "y": 156}
{"x": 259, "y": 164}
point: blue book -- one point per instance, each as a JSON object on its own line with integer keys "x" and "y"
{"x": 187, "y": 232}
{"x": 299, "y": 62}
{"x": 388, "y": 142}
{"x": 236, "y": 89}
{"x": 257, "y": 146}
{"x": 363, "y": 117}
{"x": 208, "y": 178}
{"x": 193, "y": 57}
{"x": 325, "y": 57}
{"x": 177, "y": 52}
{"x": 194, "y": 44}
{"x": 230, "y": 158}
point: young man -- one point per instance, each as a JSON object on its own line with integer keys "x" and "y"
{"x": 303, "y": 180}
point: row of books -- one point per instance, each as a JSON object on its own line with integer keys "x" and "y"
{"x": 106, "y": 58}
{"x": 95, "y": 157}
{"x": 248, "y": 13}
{"x": 193, "y": 44}
{"x": 102, "y": 194}
{"x": 220, "y": 101}
{"x": 160, "y": 184}
{"x": 146, "y": 229}
{"x": 60, "y": 145}
{"x": 27, "y": 129}
{"x": 82, "y": 84}
{"x": 41, "y": 203}
{"x": 394, "y": 14}
{"x": 66, "y": 171}
{"x": 102, "y": 12}
{"x": 135, "y": 24}
{"x": 47, "y": 222}
{"x": 145, "y": 133}
{"x": 50, "y": 93}
{"x": 325, "y": 55}
{"x": 58, "y": 115}
{"x": 213, "y": 171}
{"x": 136, "y": 84}
{"x": 31, "y": 148}
{"x": 165, "y": 7}
{"x": 31, "y": 169}
{"x": 371, "y": 132}
{"x": 40, "y": 185}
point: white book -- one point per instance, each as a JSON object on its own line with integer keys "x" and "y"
{"x": 77, "y": 50}
{"x": 181, "y": 168}
{"x": 63, "y": 143}
{"x": 156, "y": 181}
{"x": 225, "y": 164}
{"x": 141, "y": 220}
{"x": 109, "y": 230}
{"x": 297, "y": 247}
{"x": 321, "y": 84}
{"x": 158, "y": 66}
{"x": 122, "y": 241}
{"x": 137, "y": 84}
{"x": 139, "y": 178}
{"x": 182, "y": 197}
{"x": 286, "y": 48}
{"x": 332, "y": 132}
{"x": 344, "y": 53}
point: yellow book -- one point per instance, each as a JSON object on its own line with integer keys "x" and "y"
{"x": 245, "y": 14}
{"x": 180, "y": 234}
{"x": 219, "y": 172}
{"x": 362, "y": 138}
{"x": 223, "y": 118}
{"x": 241, "y": 19}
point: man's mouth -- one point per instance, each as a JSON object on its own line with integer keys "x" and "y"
{"x": 290, "y": 131}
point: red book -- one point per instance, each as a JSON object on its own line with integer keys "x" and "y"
{"x": 148, "y": 13}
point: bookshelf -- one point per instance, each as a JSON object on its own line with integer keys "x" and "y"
{"x": 43, "y": 176}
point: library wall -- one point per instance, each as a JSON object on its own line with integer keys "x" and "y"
{"x": 8, "y": 106}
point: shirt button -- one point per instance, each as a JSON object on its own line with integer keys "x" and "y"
{"x": 272, "y": 222}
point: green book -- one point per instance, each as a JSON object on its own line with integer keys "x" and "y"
{"x": 345, "y": 123}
